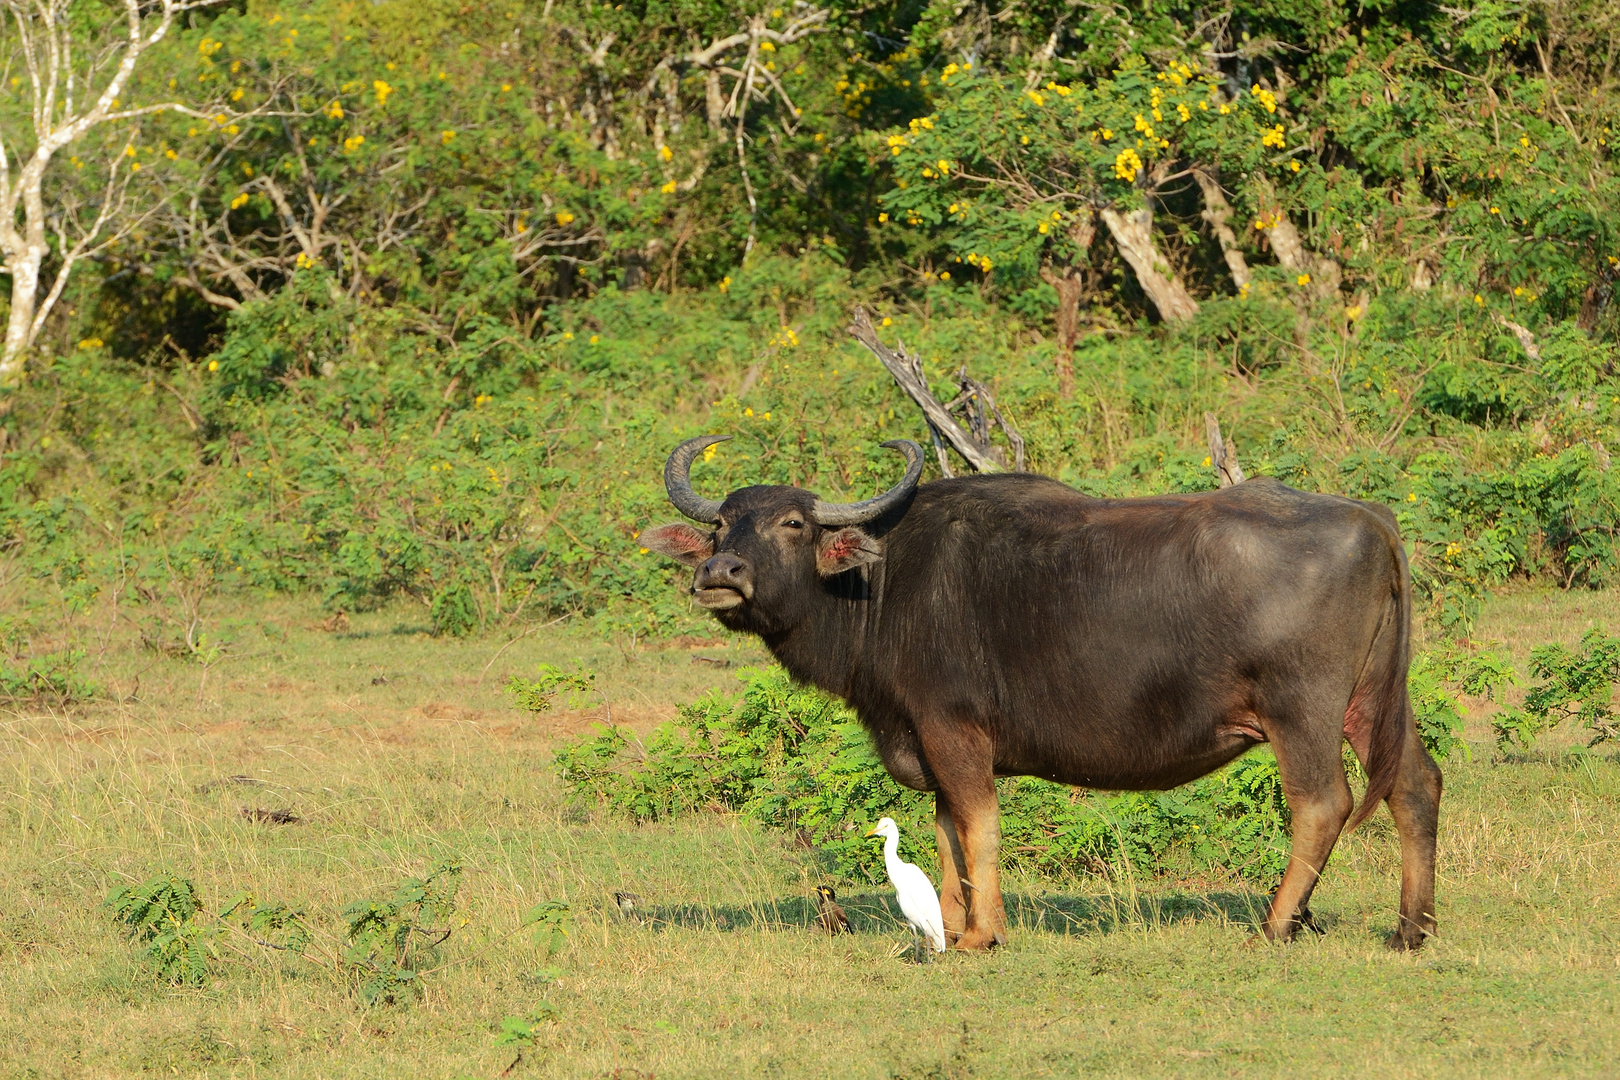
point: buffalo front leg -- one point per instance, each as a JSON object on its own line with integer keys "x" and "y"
{"x": 1415, "y": 805}
{"x": 952, "y": 871}
{"x": 962, "y": 761}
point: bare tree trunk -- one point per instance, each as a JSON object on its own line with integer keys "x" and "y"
{"x": 1133, "y": 234}
{"x": 1296, "y": 258}
{"x": 1069, "y": 289}
{"x": 900, "y": 366}
{"x": 1217, "y": 211}
{"x": 1222, "y": 454}
{"x": 67, "y": 104}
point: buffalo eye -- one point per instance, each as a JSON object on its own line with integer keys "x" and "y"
{"x": 792, "y": 523}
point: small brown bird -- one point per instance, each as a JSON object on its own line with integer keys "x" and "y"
{"x": 832, "y": 917}
{"x": 627, "y": 902}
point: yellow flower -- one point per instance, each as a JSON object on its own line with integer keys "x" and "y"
{"x": 563, "y": 217}
{"x": 944, "y": 166}
{"x": 1294, "y": 165}
{"x": 353, "y": 143}
{"x": 1411, "y": 497}
{"x": 240, "y": 201}
{"x": 1208, "y": 460}
{"x": 725, "y": 283}
{"x": 171, "y": 155}
{"x": 665, "y": 152}
{"x": 1273, "y": 137}
{"x": 568, "y": 335}
{"x": 669, "y": 188}
{"x": 1127, "y": 165}
{"x": 506, "y": 88}
{"x": 595, "y": 338}
{"x": 383, "y": 90}
{"x": 213, "y": 365}
{"x": 446, "y": 135}
{"x": 1478, "y": 299}
{"x": 1353, "y": 313}
{"x": 887, "y": 321}
{"x": 767, "y": 416}
{"x": 1041, "y": 228}
{"x": 944, "y": 275}
{"x": 748, "y": 412}
{"x": 882, "y": 218}
{"x": 1303, "y": 279}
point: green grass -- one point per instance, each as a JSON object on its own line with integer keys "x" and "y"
{"x": 1118, "y": 978}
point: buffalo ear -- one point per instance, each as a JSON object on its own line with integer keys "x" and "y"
{"x": 844, "y": 550}
{"x": 680, "y": 542}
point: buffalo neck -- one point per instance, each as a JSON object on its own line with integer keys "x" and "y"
{"x": 824, "y": 648}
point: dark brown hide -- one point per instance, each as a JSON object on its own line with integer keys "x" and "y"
{"x": 1008, "y": 625}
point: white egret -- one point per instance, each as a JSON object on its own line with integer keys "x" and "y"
{"x": 919, "y": 903}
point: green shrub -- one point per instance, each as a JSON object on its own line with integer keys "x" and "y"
{"x": 1579, "y": 686}
{"x": 792, "y": 759}
{"x": 161, "y": 914}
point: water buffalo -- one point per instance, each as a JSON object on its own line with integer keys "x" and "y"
{"x": 1008, "y": 625}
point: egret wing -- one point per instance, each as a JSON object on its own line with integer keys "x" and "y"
{"x": 920, "y": 904}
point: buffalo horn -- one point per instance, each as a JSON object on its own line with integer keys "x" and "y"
{"x": 678, "y": 480}
{"x": 856, "y": 513}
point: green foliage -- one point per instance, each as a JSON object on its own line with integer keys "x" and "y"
{"x": 1579, "y": 686}
{"x": 388, "y": 941}
{"x": 54, "y": 675}
{"x": 792, "y": 759}
{"x": 520, "y": 1030}
{"x": 539, "y": 695}
{"x": 1433, "y": 681}
{"x": 160, "y": 913}
{"x": 550, "y": 920}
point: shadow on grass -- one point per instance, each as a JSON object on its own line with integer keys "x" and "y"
{"x": 877, "y": 913}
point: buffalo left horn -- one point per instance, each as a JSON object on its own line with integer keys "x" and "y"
{"x": 856, "y": 513}
{"x": 678, "y": 480}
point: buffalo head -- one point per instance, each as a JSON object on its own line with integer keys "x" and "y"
{"x": 769, "y": 549}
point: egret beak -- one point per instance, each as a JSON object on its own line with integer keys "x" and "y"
{"x": 872, "y": 831}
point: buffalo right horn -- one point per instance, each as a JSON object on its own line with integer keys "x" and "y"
{"x": 856, "y": 513}
{"x": 678, "y": 480}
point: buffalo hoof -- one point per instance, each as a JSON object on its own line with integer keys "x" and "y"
{"x": 980, "y": 940}
{"x": 1407, "y": 939}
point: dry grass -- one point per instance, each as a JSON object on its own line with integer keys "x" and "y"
{"x": 389, "y": 777}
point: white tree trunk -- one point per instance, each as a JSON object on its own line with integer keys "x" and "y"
{"x": 1133, "y": 235}
{"x": 1217, "y": 211}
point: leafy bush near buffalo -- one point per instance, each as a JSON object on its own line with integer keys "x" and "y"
{"x": 1578, "y": 685}
{"x": 1433, "y": 683}
{"x": 793, "y": 759}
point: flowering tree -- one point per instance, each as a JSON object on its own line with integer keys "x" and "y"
{"x": 79, "y": 64}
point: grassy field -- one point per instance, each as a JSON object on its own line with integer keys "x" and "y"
{"x": 399, "y": 751}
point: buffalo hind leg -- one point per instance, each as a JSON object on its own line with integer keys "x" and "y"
{"x": 1319, "y": 802}
{"x": 962, "y": 761}
{"x": 1415, "y": 805}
